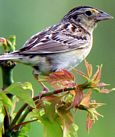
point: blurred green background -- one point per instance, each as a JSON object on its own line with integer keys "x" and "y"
{"x": 26, "y": 17}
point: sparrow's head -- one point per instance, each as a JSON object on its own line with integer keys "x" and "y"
{"x": 86, "y": 16}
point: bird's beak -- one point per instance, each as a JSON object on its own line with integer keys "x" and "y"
{"x": 103, "y": 16}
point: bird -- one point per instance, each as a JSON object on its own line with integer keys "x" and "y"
{"x": 61, "y": 46}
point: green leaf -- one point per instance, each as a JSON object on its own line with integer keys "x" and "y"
{"x": 50, "y": 119}
{"x": 5, "y": 100}
{"x": 23, "y": 91}
{"x": 66, "y": 120}
{"x": 8, "y": 44}
{"x": 24, "y": 132}
{"x": 51, "y": 128}
{"x": 50, "y": 106}
{"x": 1, "y": 120}
{"x": 11, "y": 43}
{"x": 0, "y": 132}
{"x": 73, "y": 131}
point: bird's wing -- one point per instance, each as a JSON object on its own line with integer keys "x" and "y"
{"x": 56, "y": 40}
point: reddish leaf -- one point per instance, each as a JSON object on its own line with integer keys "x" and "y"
{"x": 103, "y": 90}
{"x": 53, "y": 99}
{"x": 88, "y": 69}
{"x": 89, "y": 122}
{"x": 2, "y": 40}
{"x": 86, "y": 99}
{"x": 78, "y": 98}
{"x": 94, "y": 105}
{"x": 92, "y": 115}
{"x": 80, "y": 73}
{"x": 61, "y": 79}
{"x": 102, "y": 84}
{"x": 97, "y": 76}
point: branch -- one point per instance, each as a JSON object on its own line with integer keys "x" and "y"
{"x": 7, "y": 74}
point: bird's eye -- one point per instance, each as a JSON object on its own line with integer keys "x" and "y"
{"x": 88, "y": 13}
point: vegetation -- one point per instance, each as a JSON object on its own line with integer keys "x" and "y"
{"x": 53, "y": 110}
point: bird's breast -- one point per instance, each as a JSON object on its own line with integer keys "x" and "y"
{"x": 68, "y": 60}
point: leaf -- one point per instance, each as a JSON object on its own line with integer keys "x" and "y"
{"x": 23, "y": 91}
{"x": 61, "y": 79}
{"x": 5, "y": 100}
{"x": 89, "y": 122}
{"x": 2, "y": 115}
{"x": 86, "y": 99}
{"x": 88, "y": 69}
{"x": 78, "y": 97}
{"x": 49, "y": 118}
{"x": 1, "y": 132}
{"x": 97, "y": 76}
{"x": 49, "y": 110}
{"x": 53, "y": 99}
{"x": 11, "y": 43}
{"x": 101, "y": 88}
{"x": 80, "y": 73}
{"x": 104, "y": 90}
{"x": 51, "y": 128}
{"x": 92, "y": 115}
{"x": 24, "y": 132}
{"x": 66, "y": 120}
{"x": 2, "y": 40}
{"x": 102, "y": 84}
{"x": 12, "y": 39}
{"x": 1, "y": 119}
{"x": 73, "y": 131}
{"x": 8, "y": 44}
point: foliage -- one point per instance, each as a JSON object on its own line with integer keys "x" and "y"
{"x": 53, "y": 110}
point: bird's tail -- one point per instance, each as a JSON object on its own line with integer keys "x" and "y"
{"x": 14, "y": 56}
